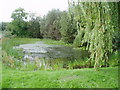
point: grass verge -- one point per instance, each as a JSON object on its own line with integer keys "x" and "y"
{"x": 82, "y": 78}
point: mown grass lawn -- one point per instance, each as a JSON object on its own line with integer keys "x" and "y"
{"x": 79, "y": 78}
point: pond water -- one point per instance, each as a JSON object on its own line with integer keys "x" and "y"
{"x": 41, "y": 50}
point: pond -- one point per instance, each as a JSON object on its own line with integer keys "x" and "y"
{"x": 51, "y": 54}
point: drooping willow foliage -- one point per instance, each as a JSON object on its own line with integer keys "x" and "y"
{"x": 97, "y": 26}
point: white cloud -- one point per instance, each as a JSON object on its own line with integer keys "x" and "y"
{"x": 39, "y": 6}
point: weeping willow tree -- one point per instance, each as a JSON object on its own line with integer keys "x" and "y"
{"x": 97, "y": 25}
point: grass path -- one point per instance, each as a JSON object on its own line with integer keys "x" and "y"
{"x": 82, "y": 78}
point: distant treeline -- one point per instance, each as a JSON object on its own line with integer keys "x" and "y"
{"x": 94, "y": 25}
{"x": 55, "y": 25}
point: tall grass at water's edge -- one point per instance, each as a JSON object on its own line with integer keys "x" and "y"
{"x": 10, "y": 54}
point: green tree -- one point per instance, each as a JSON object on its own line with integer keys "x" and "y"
{"x": 34, "y": 26}
{"x": 97, "y": 25}
{"x": 19, "y": 13}
{"x": 68, "y": 27}
{"x": 43, "y": 27}
{"x": 18, "y": 24}
{"x": 3, "y": 26}
{"x": 50, "y": 27}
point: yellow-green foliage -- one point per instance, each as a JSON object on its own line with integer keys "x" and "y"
{"x": 97, "y": 25}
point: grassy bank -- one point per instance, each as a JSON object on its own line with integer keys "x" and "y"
{"x": 78, "y": 78}
{"x": 82, "y": 78}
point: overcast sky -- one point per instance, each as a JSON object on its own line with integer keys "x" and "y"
{"x": 37, "y": 6}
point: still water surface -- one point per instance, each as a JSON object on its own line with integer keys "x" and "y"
{"x": 42, "y": 50}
